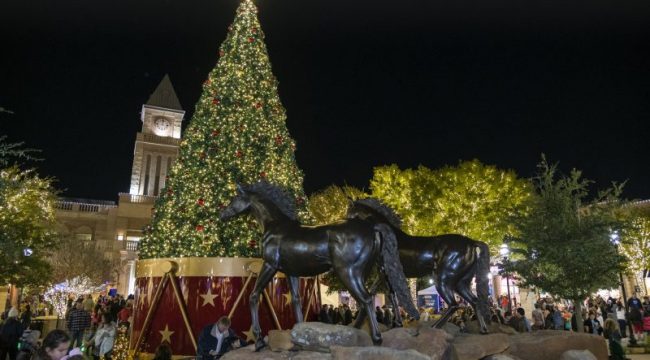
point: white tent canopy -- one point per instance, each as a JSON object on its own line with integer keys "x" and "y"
{"x": 431, "y": 290}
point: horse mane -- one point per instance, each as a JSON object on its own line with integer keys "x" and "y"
{"x": 276, "y": 195}
{"x": 384, "y": 210}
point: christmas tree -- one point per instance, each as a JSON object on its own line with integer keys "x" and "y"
{"x": 237, "y": 134}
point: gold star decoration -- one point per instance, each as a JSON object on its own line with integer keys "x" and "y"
{"x": 166, "y": 335}
{"x": 249, "y": 335}
{"x": 287, "y": 299}
{"x": 208, "y": 298}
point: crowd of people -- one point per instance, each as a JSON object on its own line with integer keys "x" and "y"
{"x": 91, "y": 326}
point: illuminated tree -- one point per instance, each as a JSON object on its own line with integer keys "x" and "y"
{"x": 237, "y": 134}
{"x": 635, "y": 239}
{"x": 74, "y": 258}
{"x": 331, "y": 204}
{"x": 27, "y": 226}
{"x": 564, "y": 245}
{"x": 471, "y": 199}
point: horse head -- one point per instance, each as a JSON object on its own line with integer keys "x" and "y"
{"x": 239, "y": 204}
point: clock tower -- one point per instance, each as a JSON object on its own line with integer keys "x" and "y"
{"x": 156, "y": 146}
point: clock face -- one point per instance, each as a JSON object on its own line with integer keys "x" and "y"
{"x": 161, "y": 124}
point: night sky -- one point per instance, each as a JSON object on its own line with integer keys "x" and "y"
{"x": 365, "y": 83}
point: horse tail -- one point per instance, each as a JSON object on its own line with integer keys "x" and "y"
{"x": 394, "y": 271}
{"x": 482, "y": 281}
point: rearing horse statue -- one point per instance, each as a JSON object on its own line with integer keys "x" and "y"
{"x": 452, "y": 259}
{"x": 348, "y": 248}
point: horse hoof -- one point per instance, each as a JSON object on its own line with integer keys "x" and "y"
{"x": 484, "y": 332}
{"x": 376, "y": 341}
{"x": 259, "y": 345}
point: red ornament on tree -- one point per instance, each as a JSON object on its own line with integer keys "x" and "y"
{"x": 199, "y": 228}
{"x": 200, "y": 202}
{"x": 215, "y": 101}
{"x": 206, "y": 82}
{"x": 221, "y": 53}
{"x": 250, "y": 39}
{"x": 170, "y": 191}
{"x": 252, "y": 244}
{"x": 278, "y": 140}
{"x": 300, "y": 200}
{"x": 258, "y": 105}
{"x": 215, "y": 132}
{"x": 202, "y": 155}
{"x": 239, "y": 154}
{"x": 263, "y": 174}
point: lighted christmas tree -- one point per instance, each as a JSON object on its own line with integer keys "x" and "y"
{"x": 238, "y": 134}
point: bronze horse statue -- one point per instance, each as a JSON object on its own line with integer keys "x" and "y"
{"x": 452, "y": 259}
{"x": 349, "y": 248}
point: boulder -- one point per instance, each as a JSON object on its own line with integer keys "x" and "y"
{"x": 317, "y": 336}
{"x": 248, "y": 353}
{"x": 578, "y": 355}
{"x": 434, "y": 343}
{"x": 473, "y": 327}
{"x": 551, "y": 344}
{"x": 472, "y": 347}
{"x": 280, "y": 340}
{"x": 374, "y": 353}
{"x": 501, "y": 357}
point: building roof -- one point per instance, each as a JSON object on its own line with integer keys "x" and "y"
{"x": 164, "y": 96}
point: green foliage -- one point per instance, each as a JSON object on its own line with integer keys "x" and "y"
{"x": 635, "y": 238}
{"x": 237, "y": 134}
{"x": 26, "y": 221}
{"x": 565, "y": 245}
{"x": 471, "y": 199}
{"x": 331, "y": 204}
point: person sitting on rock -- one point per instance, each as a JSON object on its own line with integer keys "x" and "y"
{"x": 518, "y": 321}
{"x": 217, "y": 339}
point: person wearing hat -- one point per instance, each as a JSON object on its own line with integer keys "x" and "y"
{"x": 10, "y": 334}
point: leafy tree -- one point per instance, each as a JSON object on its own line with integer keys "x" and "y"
{"x": 635, "y": 239}
{"x": 564, "y": 246}
{"x": 471, "y": 199}
{"x": 75, "y": 258}
{"x": 238, "y": 133}
{"x": 27, "y": 226}
{"x": 331, "y": 204}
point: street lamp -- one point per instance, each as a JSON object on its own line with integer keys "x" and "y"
{"x": 504, "y": 251}
{"x": 616, "y": 241}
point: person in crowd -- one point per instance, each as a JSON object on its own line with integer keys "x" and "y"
{"x": 55, "y": 346}
{"x": 387, "y": 320}
{"x": 634, "y": 302}
{"x": 518, "y": 320}
{"x": 636, "y": 319}
{"x": 558, "y": 320}
{"x": 323, "y": 315}
{"x": 347, "y": 316}
{"x": 124, "y": 315}
{"x": 10, "y": 334}
{"x": 163, "y": 352}
{"x": 78, "y": 322}
{"x": 613, "y": 335}
{"x": 619, "y": 310}
{"x": 379, "y": 314}
{"x": 88, "y": 303}
{"x": 217, "y": 339}
{"x": 26, "y": 316}
{"x": 424, "y": 314}
{"x": 646, "y": 305}
{"x": 104, "y": 338}
{"x": 592, "y": 325}
{"x": 538, "y": 318}
{"x": 332, "y": 314}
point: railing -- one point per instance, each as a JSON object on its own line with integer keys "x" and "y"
{"x": 137, "y": 199}
{"x": 68, "y": 205}
{"x": 152, "y": 138}
{"x": 131, "y": 245}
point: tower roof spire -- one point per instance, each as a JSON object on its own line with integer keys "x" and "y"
{"x": 164, "y": 96}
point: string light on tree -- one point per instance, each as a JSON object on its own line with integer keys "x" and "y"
{"x": 238, "y": 134}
